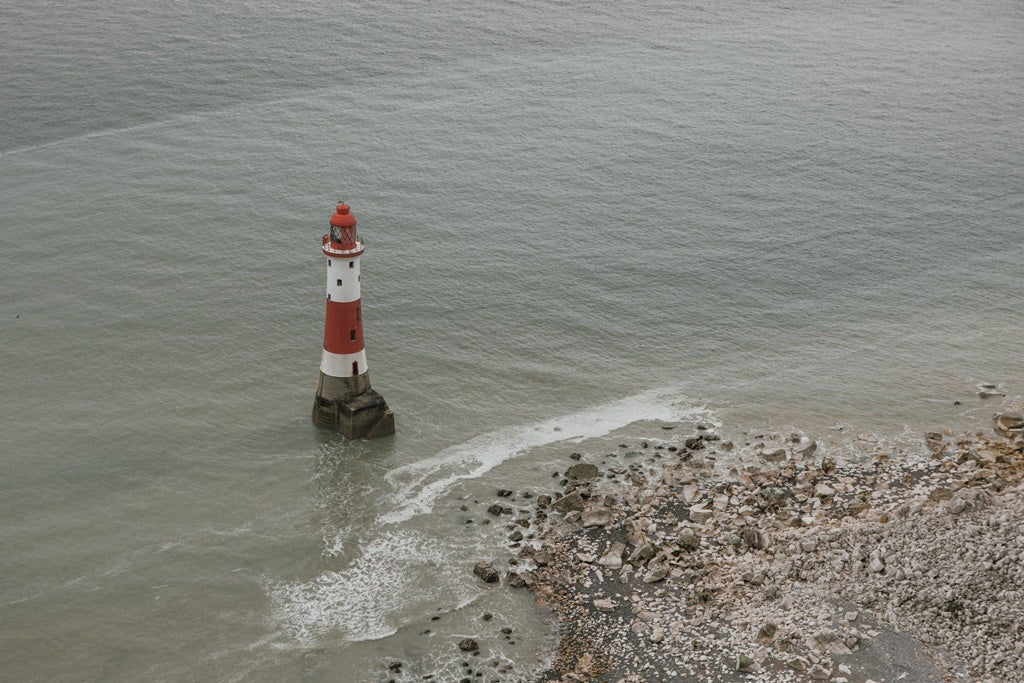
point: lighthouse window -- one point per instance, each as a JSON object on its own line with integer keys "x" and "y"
{"x": 353, "y": 335}
{"x": 357, "y": 313}
{"x": 351, "y": 264}
{"x": 328, "y": 261}
{"x": 339, "y": 282}
{"x": 355, "y": 368}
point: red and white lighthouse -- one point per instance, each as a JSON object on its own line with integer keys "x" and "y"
{"x": 344, "y": 399}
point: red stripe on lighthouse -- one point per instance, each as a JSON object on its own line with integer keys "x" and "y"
{"x": 343, "y": 332}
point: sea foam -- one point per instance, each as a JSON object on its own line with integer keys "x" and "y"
{"x": 418, "y": 485}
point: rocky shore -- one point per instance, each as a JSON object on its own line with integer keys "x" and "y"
{"x": 675, "y": 559}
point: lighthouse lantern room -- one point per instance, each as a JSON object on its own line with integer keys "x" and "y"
{"x": 344, "y": 399}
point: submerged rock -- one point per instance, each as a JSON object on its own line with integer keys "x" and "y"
{"x": 582, "y": 471}
{"x": 486, "y": 572}
{"x": 1010, "y": 425}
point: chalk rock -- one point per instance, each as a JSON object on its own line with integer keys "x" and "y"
{"x": 744, "y": 663}
{"x": 604, "y": 605}
{"x": 806, "y": 451}
{"x": 753, "y": 538}
{"x": 656, "y": 572}
{"x": 573, "y": 501}
{"x": 522, "y": 580}
{"x": 1009, "y": 425}
{"x": 596, "y": 517}
{"x": 689, "y": 540}
{"x": 777, "y": 455}
{"x": 644, "y": 552}
{"x": 640, "y": 628}
{"x": 700, "y": 514}
{"x": 819, "y": 673}
{"x": 691, "y": 494}
{"x": 799, "y": 663}
{"x": 823, "y": 490}
{"x": 766, "y": 634}
{"x": 612, "y": 558}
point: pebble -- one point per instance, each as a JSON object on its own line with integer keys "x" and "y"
{"x": 779, "y": 548}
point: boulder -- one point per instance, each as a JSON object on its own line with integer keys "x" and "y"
{"x": 469, "y": 645}
{"x": 694, "y": 443}
{"x": 689, "y": 540}
{"x": 766, "y": 635}
{"x": 522, "y": 579}
{"x": 656, "y": 572}
{"x": 573, "y": 501}
{"x": 596, "y": 517}
{"x": 752, "y": 537}
{"x": 582, "y": 471}
{"x": 612, "y": 558}
{"x": 807, "y": 450}
{"x": 644, "y": 552}
{"x": 823, "y": 490}
{"x": 691, "y": 494}
{"x": 700, "y": 514}
{"x": 486, "y": 572}
{"x": 604, "y": 605}
{"x": 1009, "y": 425}
{"x": 819, "y": 673}
{"x": 778, "y": 455}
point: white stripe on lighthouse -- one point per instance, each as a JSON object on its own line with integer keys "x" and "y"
{"x": 339, "y": 271}
{"x": 340, "y": 364}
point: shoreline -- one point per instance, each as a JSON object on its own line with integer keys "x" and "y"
{"x": 792, "y": 568}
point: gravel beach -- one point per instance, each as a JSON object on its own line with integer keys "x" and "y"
{"x": 674, "y": 559}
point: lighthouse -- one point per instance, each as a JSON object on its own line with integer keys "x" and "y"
{"x": 344, "y": 399}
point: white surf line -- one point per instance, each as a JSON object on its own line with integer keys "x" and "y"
{"x": 490, "y": 450}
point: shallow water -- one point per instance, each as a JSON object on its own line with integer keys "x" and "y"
{"x": 768, "y": 216}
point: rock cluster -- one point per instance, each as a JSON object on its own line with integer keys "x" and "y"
{"x": 791, "y": 569}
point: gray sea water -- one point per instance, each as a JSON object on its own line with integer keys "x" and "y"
{"x": 581, "y": 219}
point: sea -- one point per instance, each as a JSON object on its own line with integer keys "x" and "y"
{"x": 584, "y": 222}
